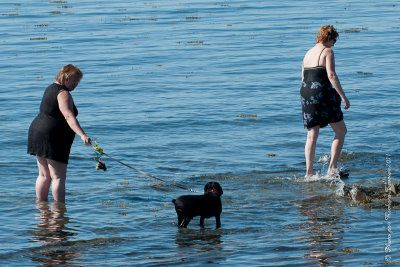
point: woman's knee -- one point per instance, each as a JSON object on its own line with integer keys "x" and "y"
{"x": 340, "y": 129}
{"x": 344, "y": 131}
{"x": 341, "y": 133}
{"x": 43, "y": 168}
{"x": 312, "y": 134}
{"x": 58, "y": 170}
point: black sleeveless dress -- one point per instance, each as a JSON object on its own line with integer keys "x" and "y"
{"x": 49, "y": 135}
{"x": 319, "y": 100}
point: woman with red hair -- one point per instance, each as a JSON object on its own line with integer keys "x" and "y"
{"x": 321, "y": 96}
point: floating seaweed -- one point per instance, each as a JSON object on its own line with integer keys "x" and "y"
{"x": 355, "y": 30}
{"x": 364, "y": 73}
{"x": 247, "y": 116}
{"x": 38, "y": 38}
{"x": 196, "y": 42}
{"x": 42, "y": 25}
{"x": 367, "y": 195}
{"x": 193, "y": 18}
{"x": 120, "y": 204}
{"x": 348, "y": 250}
{"x": 58, "y": 2}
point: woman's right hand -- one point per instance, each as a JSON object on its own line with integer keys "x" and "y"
{"x": 86, "y": 140}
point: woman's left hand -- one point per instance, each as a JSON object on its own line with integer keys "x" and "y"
{"x": 346, "y": 103}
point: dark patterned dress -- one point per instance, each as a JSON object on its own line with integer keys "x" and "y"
{"x": 319, "y": 100}
{"x": 49, "y": 135}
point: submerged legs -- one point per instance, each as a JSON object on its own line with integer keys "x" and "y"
{"x": 51, "y": 172}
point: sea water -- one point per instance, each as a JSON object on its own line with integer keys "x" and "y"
{"x": 192, "y": 92}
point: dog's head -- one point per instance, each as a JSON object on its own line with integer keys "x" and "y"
{"x": 213, "y": 187}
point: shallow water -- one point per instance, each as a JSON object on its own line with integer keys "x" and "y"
{"x": 193, "y": 92}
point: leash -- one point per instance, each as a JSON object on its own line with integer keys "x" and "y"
{"x": 100, "y": 152}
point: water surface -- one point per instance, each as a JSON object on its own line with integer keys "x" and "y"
{"x": 194, "y": 92}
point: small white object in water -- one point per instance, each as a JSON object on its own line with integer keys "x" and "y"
{"x": 353, "y": 193}
{"x": 340, "y": 188}
{"x": 324, "y": 159}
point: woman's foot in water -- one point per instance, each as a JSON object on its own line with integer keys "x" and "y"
{"x": 309, "y": 174}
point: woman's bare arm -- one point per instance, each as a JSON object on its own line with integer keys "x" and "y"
{"x": 65, "y": 104}
{"x": 333, "y": 78}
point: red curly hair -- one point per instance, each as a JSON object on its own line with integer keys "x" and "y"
{"x": 326, "y": 33}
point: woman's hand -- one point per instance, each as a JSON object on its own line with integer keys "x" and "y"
{"x": 86, "y": 140}
{"x": 346, "y": 102}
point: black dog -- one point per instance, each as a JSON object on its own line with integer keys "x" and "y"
{"x": 205, "y": 206}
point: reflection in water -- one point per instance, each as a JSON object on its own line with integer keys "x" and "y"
{"x": 202, "y": 240}
{"x": 52, "y": 232}
{"x": 205, "y": 243}
{"x": 324, "y": 227}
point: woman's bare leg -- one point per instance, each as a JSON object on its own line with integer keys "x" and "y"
{"x": 58, "y": 172}
{"x": 312, "y": 136}
{"x": 43, "y": 180}
{"x": 340, "y": 131}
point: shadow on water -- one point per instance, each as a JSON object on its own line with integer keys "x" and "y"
{"x": 50, "y": 231}
{"x": 205, "y": 243}
{"x": 207, "y": 238}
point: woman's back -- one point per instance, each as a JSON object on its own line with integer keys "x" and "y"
{"x": 315, "y": 57}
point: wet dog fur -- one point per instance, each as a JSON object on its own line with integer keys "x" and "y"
{"x": 206, "y": 206}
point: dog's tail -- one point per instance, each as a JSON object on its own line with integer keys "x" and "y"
{"x": 173, "y": 201}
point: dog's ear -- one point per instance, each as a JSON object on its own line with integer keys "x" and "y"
{"x": 207, "y": 187}
{"x": 219, "y": 188}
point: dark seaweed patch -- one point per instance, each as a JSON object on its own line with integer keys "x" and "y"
{"x": 38, "y": 38}
{"x": 364, "y": 73}
{"x": 351, "y": 30}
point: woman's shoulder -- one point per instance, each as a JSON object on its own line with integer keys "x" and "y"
{"x": 57, "y": 87}
{"x": 54, "y": 86}
{"x": 326, "y": 51}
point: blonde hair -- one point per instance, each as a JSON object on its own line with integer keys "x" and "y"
{"x": 67, "y": 72}
{"x": 326, "y": 33}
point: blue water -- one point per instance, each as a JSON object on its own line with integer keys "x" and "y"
{"x": 168, "y": 88}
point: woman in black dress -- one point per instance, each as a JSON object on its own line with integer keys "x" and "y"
{"x": 52, "y": 132}
{"x": 321, "y": 96}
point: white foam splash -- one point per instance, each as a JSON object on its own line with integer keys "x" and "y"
{"x": 353, "y": 193}
{"x": 333, "y": 180}
{"x": 324, "y": 159}
{"x": 340, "y": 188}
